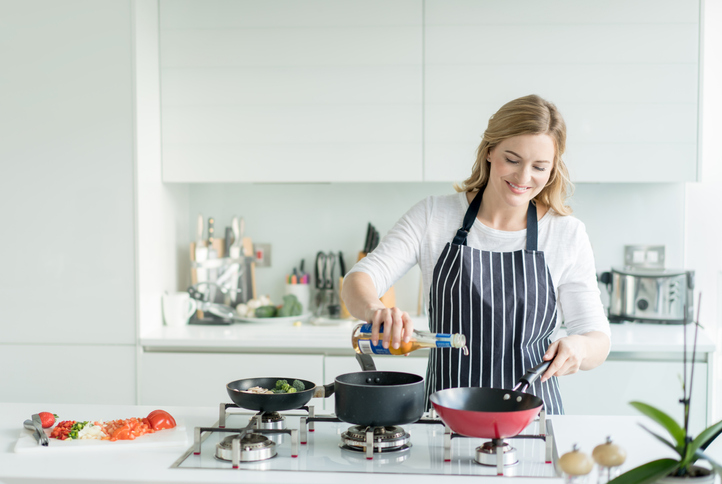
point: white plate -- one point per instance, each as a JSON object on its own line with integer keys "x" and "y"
{"x": 288, "y": 319}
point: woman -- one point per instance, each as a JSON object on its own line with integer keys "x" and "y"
{"x": 517, "y": 267}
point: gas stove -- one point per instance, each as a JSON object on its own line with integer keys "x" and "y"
{"x": 298, "y": 440}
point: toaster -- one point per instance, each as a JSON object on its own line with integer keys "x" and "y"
{"x": 650, "y": 295}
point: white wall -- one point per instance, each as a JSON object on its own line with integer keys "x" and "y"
{"x": 66, "y": 191}
{"x": 301, "y": 219}
{"x": 703, "y": 219}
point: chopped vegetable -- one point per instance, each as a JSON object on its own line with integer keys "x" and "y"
{"x": 47, "y": 419}
{"x": 298, "y": 385}
{"x": 161, "y": 420}
{"x": 266, "y": 312}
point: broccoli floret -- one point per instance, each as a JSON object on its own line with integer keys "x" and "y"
{"x": 276, "y": 390}
{"x": 280, "y": 384}
{"x": 298, "y": 385}
{"x": 291, "y": 390}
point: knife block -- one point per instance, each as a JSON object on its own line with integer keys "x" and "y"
{"x": 388, "y": 299}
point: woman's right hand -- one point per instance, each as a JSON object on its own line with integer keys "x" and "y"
{"x": 397, "y": 326}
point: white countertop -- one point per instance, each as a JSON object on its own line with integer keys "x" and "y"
{"x": 336, "y": 339}
{"x": 154, "y": 465}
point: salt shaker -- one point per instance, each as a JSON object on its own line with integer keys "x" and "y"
{"x": 609, "y": 457}
{"x": 576, "y": 466}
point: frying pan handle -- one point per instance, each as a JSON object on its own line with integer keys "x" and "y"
{"x": 531, "y": 375}
{"x": 324, "y": 391}
{"x": 366, "y": 362}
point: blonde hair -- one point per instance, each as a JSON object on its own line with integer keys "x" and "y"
{"x": 526, "y": 115}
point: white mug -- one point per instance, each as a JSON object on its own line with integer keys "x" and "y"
{"x": 178, "y": 308}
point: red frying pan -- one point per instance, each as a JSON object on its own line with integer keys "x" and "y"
{"x": 490, "y": 413}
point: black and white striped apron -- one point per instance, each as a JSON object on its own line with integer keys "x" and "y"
{"x": 505, "y": 305}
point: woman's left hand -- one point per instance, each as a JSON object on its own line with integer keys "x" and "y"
{"x": 571, "y": 353}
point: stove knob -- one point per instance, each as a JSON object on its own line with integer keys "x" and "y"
{"x": 369, "y": 380}
{"x": 642, "y": 304}
{"x": 377, "y": 380}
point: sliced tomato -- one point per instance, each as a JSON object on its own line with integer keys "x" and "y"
{"x": 160, "y": 420}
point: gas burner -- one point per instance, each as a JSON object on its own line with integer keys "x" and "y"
{"x": 385, "y": 439}
{"x": 271, "y": 421}
{"x": 253, "y": 447}
{"x": 486, "y": 454}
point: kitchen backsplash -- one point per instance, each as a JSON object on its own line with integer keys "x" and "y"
{"x": 298, "y": 220}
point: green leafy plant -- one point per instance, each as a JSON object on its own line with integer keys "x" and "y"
{"x": 689, "y": 449}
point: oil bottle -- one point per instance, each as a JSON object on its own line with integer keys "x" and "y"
{"x": 361, "y": 341}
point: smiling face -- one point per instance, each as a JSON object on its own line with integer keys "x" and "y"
{"x": 520, "y": 168}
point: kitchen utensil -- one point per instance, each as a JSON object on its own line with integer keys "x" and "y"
{"x": 249, "y": 270}
{"x": 490, "y": 413}
{"x": 379, "y": 398}
{"x": 367, "y": 241}
{"x": 200, "y": 254}
{"x": 341, "y": 264}
{"x": 650, "y": 295}
{"x": 374, "y": 240}
{"x": 38, "y": 424}
{"x": 234, "y": 252}
{"x": 212, "y": 254}
{"x": 227, "y": 241}
{"x": 38, "y": 434}
{"x": 276, "y": 402}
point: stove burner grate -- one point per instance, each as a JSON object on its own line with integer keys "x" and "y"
{"x": 253, "y": 447}
{"x": 487, "y": 454}
{"x": 383, "y": 439}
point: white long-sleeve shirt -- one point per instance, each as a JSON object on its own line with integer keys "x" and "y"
{"x": 421, "y": 234}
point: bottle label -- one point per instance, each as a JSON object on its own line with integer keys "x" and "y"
{"x": 366, "y": 328}
{"x": 368, "y": 348}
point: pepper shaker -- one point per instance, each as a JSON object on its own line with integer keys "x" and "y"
{"x": 576, "y": 466}
{"x": 609, "y": 457}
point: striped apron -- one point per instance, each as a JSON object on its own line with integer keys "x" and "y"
{"x": 505, "y": 305}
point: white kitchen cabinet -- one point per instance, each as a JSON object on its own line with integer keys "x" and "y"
{"x": 312, "y": 91}
{"x": 608, "y": 389}
{"x": 624, "y": 75}
{"x": 199, "y": 379}
{"x": 97, "y": 374}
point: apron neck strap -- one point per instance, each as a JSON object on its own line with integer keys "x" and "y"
{"x": 532, "y": 232}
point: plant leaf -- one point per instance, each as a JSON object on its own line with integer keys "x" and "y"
{"x": 664, "y": 441}
{"x": 710, "y": 433}
{"x": 647, "y": 473}
{"x": 701, "y": 442}
{"x": 662, "y": 419}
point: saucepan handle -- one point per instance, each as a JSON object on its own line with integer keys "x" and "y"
{"x": 531, "y": 375}
{"x": 324, "y": 391}
{"x": 366, "y": 362}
